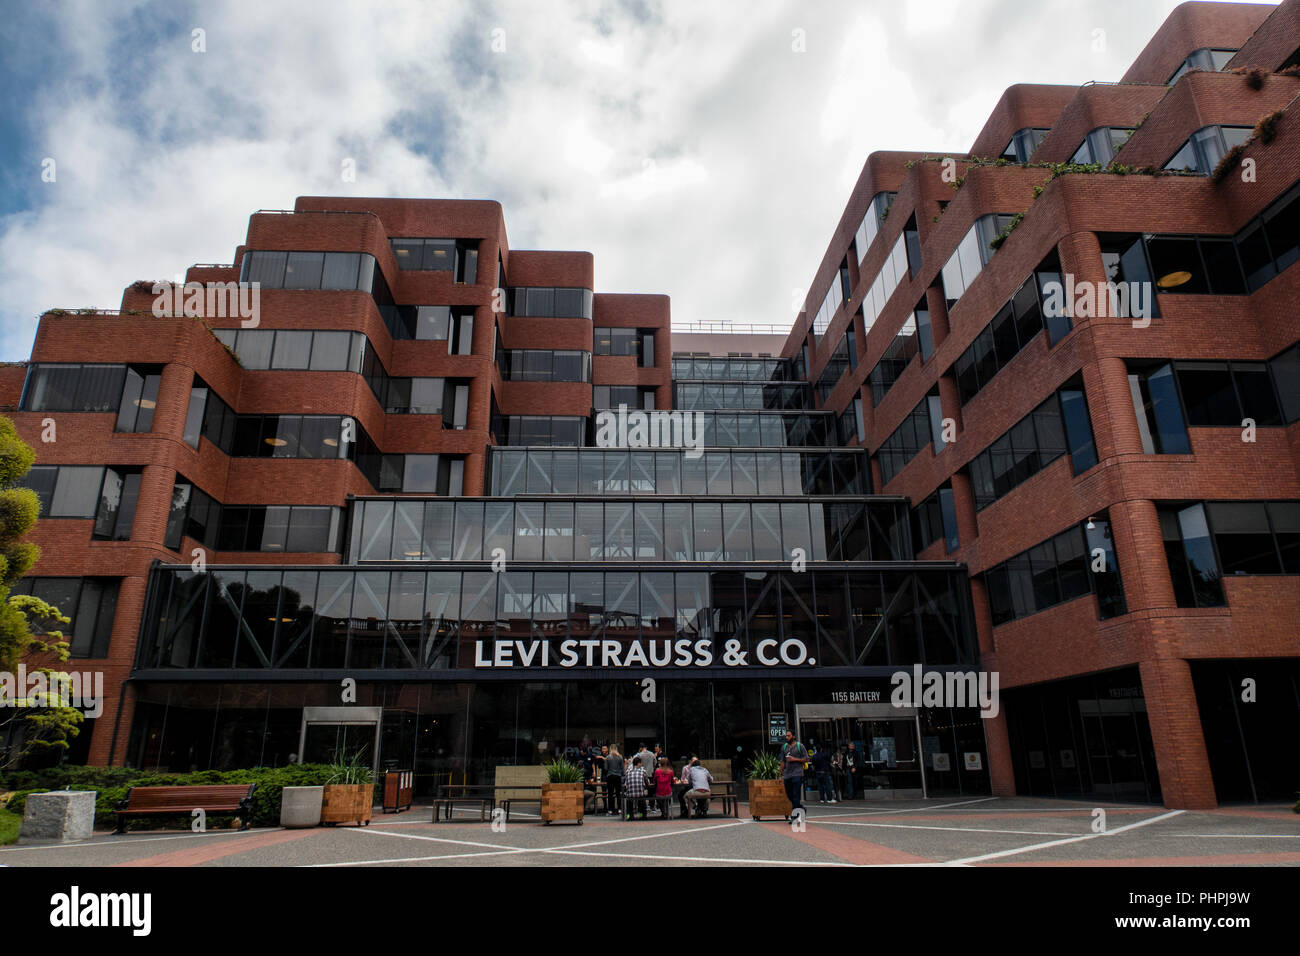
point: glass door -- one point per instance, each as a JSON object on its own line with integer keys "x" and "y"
{"x": 893, "y": 756}
{"x": 335, "y": 743}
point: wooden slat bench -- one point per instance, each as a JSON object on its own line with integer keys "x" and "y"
{"x": 448, "y": 795}
{"x": 236, "y": 799}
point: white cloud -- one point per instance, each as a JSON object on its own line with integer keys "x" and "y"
{"x": 685, "y": 144}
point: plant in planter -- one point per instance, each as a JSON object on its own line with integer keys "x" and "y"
{"x": 349, "y": 792}
{"x": 562, "y": 794}
{"x": 766, "y": 791}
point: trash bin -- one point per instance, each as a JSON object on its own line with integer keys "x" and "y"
{"x": 398, "y": 787}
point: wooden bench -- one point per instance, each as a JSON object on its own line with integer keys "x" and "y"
{"x": 448, "y": 795}
{"x": 236, "y": 799}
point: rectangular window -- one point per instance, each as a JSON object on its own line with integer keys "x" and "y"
{"x": 935, "y": 518}
{"x": 877, "y": 209}
{"x": 1078, "y": 429}
{"x": 340, "y": 270}
{"x": 842, "y": 359}
{"x": 139, "y": 399}
{"x": 303, "y": 270}
{"x": 906, "y": 441}
{"x": 90, "y": 603}
{"x": 897, "y": 356}
{"x": 1058, "y": 425}
{"x": 1193, "y": 567}
{"x": 1059, "y": 570}
{"x": 1242, "y": 537}
{"x": 93, "y": 388}
{"x": 1159, "y": 411}
{"x": 1011, "y": 330}
{"x": 567, "y": 303}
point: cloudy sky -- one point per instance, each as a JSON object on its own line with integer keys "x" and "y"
{"x": 699, "y": 148}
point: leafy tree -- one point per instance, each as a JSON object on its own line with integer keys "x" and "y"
{"x": 28, "y": 626}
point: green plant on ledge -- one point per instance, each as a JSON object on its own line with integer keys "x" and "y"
{"x": 562, "y": 771}
{"x": 996, "y": 242}
{"x": 763, "y": 766}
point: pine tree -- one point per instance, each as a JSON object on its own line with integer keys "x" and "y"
{"x": 28, "y": 626}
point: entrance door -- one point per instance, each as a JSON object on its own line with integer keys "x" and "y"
{"x": 892, "y": 756}
{"x": 885, "y": 737}
{"x": 340, "y": 734}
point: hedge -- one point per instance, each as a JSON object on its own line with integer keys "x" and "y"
{"x": 113, "y": 782}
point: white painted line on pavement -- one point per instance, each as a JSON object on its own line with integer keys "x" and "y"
{"x": 1078, "y": 839}
{"x": 411, "y": 859}
{"x": 915, "y": 826}
{"x": 122, "y": 839}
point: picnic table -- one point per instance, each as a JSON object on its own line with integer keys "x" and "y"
{"x": 485, "y": 796}
{"x": 449, "y": 794}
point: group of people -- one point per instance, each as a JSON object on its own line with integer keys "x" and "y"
{"x": 839, "y": 771}
{"x": 646, "y": 780}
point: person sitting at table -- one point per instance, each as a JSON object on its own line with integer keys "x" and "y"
{"x": 635, "y": 786}
{"x": 663, "y": 781}
{"x": 700, "y": 779}
{"x": 683, "y": 783}
{"x": 613, "y": 779}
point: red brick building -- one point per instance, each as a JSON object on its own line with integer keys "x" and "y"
{"x": 1063, "y": 362}
{"x": 1158, "y": 671}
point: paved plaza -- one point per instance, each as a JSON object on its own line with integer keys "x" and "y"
{"x": 988, "y": 831}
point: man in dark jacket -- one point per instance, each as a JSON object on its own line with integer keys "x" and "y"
{"x": 822, "y": 767}
{"x": 852, "y": 767}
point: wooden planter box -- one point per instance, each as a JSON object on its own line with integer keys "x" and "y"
{"x": 767, "y": 799}
{"x": 562, "y": 801}
{"x": 347, "y": 803}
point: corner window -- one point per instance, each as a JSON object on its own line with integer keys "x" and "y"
{"x": 1101, "y": 145}
{"x": 971, "y": 255}
{"x": 1210, "y": 60}
{"x": 872, "y": 220}
{"x": 1206, "y": 148}
{"x": 1023, "y": 143}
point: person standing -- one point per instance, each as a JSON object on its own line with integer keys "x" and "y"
{"x": 852, "y": 767}
{"x": 793, "y": 756}
{"x": 613, "y": 779}
{"x": 837, "y": 774}
{"x": 822, "y": 767}
{"x": 648, "y": 762}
